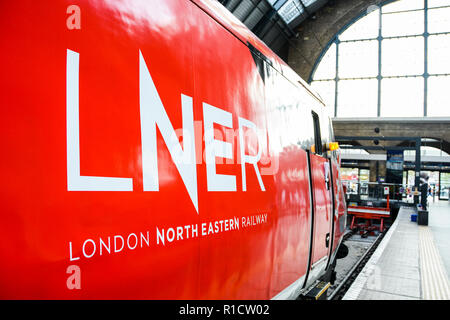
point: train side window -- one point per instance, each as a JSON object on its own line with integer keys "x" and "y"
{"x": 317, "y": 137}
{"x": 331, "y": 130}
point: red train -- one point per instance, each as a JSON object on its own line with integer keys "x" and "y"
{"x": 158, "y": 150}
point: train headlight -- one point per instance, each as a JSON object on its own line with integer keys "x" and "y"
{"x": 332, "y": 146}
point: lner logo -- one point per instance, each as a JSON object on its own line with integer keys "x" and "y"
{"x": 153, "y": 115}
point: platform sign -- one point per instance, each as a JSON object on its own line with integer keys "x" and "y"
{"x": 394, "y": 166}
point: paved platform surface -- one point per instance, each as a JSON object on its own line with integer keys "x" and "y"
{"x": 411, "y": 263}
{"x": 439, "y": 223}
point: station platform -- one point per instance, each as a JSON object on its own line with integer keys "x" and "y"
{"x": 412, "y": 262}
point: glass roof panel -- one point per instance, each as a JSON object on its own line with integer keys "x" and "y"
{"x": 366, "y": 28}
{"x": 403, "y": 5}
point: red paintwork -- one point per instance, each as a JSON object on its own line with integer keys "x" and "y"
{"x": 188, "y": 51}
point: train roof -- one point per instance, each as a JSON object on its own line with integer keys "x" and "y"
{"x": 219, "y": 13}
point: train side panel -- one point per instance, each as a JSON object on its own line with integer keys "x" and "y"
{"x": 124, "y": 138}
{"x": 235, "y": 264}
{"x": 287, "y": 108}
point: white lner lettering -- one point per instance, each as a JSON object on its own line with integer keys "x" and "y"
{"x": 75, "y": 181}
{"x": 153, "y": 115}
{"x": 245, "y": 158}
{"x": 216, "y": 148}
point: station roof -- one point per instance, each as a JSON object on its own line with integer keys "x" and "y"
{"x": 435, "y": 129}
{"x": 273, "y": 21}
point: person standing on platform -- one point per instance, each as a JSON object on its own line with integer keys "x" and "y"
{"x": 423, "y": 190}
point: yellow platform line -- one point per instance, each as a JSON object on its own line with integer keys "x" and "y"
{"x": 435, "y": 283}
